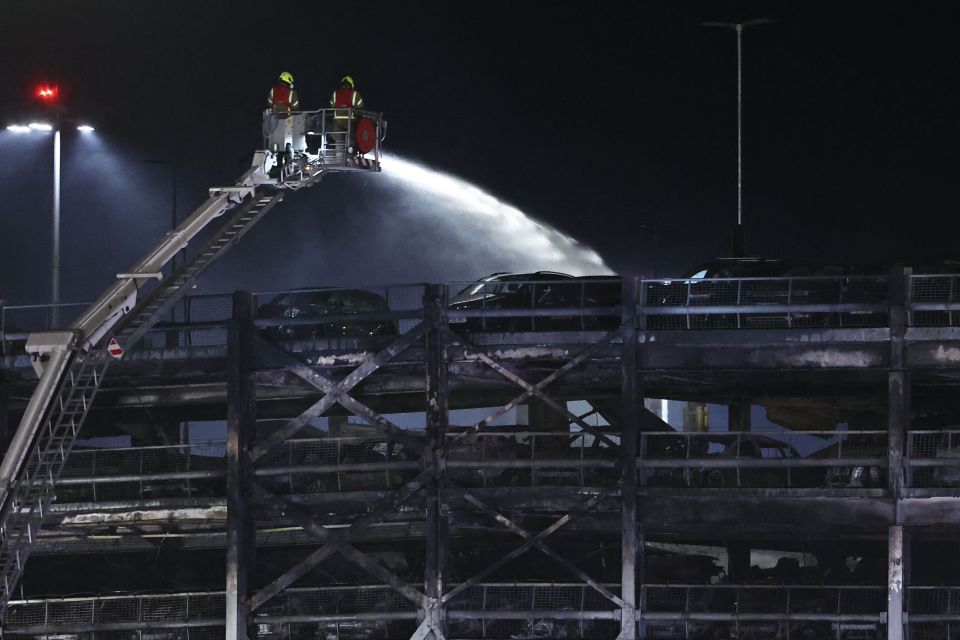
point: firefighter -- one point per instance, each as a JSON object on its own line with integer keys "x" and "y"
{"x": 342, "y": 99}
{"x": 283, "y": 98}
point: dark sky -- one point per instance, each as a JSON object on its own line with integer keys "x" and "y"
{"x": 606, "y": 120}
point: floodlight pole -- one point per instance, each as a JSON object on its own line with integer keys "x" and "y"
{"x": 55, "y": 257}
{"x": 739, "y": 249}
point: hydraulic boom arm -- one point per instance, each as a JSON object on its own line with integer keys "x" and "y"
{"x": 70, "y": 363}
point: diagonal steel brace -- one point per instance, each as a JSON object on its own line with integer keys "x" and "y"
{"x": 581, "y": 357}
{"x": 380, "y": 508}
{"x": 354, "y": 378}
{"x": 342, "y": 547}
{"x": 539, "y": 544}
{"x": 519, "y": 551}
{"x": 336, "y": 392}
{"x": 532, "y": 390}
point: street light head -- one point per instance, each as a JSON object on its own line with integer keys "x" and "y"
{"x": 18, "y": 128}
{"x": 41, "y": 126}
{"x": 85, "y": 128}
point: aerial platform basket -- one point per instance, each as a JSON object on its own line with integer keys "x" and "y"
{"x": 303, "y": 144}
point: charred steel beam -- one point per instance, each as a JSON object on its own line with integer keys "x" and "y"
{"x": 351, "y": 553}
{"x": 437, "y": 414}
{"x": 632, "y": 400}
{"x": 532, "y": 390}
{"x": 352, "y": 379}
{"x": 526, "y": 546}
{"x": 553, "y": 555}
{"x": 576, "y": 361}
{"x": 290, "y": 576}
{"x": 898, "y": 581}
{"x": 241, "y": 428}
{"x": 331, "y": 388}
{"x": 898, "y": 384}
{"x": 379, "y": 508}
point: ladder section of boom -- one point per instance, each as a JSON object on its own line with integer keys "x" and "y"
{"x": 33, "y": 491}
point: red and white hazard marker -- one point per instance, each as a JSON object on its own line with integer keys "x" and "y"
{"x": 114, "y": 348}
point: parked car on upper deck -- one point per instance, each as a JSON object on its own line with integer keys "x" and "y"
{"x": 529, "y": 293}
{"x": 301, "y": 314}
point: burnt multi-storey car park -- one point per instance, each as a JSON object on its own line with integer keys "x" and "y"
{"x": 567, "y": 526}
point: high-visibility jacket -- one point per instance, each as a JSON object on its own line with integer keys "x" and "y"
{"x": 283, "y": 98}
{"x": 345, "y": 98}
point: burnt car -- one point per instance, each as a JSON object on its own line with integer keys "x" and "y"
{"x": 533, "y": 295}
{"x": 326, "y": 313}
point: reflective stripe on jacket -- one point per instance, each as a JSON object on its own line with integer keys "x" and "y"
{"x": 283, "y": 97}
{"x": 345, "y": 98}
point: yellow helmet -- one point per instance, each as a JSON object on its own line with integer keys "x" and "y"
{"x": 287, "y": 77}
{"x": 348, "y": 80}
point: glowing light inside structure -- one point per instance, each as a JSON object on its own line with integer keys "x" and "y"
{"x": 18, "y": 128}
{"x": 41, "y": 126}
{"x": 85, "y": 128}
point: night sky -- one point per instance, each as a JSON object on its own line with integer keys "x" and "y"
{"x": 613, "y": 122}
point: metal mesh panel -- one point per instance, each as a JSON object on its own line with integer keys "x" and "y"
{"x": 761, "y": 600}
{"x": 164, "y": 608}
{"x": 69, "y": 611}
{"x": 935, "y": 600}
{"x": 926, "y": 449}
{"x": 740, "y": 303}
{"x": 935, "y": 630}
{"x": 312, "y": 464}
{"x": 26, "y": 614}
{"x": 934, "y": 288}
{"x": 205, "y": 633}
{"x": 523, "y": 458}
{"x": 554, "y": 597}
{"x": 117, "y": 610}
{"x": 512, "y": 598}
{"x": 865, "y": 600}
{"x": 666, "y": 599}
{"x": 206, "y": 605}
{"x": 850, "y": 459}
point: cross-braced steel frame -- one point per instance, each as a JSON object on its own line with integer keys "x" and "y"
{"x": 250, "y": 352}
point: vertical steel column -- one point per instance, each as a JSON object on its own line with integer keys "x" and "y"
{"x": 898, "y": 422}
{"x": 738, "y": 415}
{"x": 898, "y": 580}
{"x": 898, "y": 384}
{"x": 632, "y": 397}
{"x": 437, "y": 417}
{"x": 241, "y": 428}
{"x": 4, "y": 419}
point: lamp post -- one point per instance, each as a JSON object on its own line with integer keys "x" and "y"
{"x": 174, "y": 165}
{"x": 45, "y": 127}
{"x": 738, "y": 242}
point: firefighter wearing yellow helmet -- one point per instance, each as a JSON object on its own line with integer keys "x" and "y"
{"x": 283, "y": 98}
{"x": 345, "y": 97}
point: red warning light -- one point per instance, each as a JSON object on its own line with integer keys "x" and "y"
{"x": 47, "y": 93}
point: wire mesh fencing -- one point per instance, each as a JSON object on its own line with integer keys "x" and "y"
{"x": 933, "y": 459}
{"x": 844, "y": 459}
{"x": 517, "y": 457}
{"x": 350, "y": 463}
{"x": 140, "y": 473}
{"x": 685, "y": 612}
{"x": 934, "y": 300}
{"x": 765, "y": 303}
